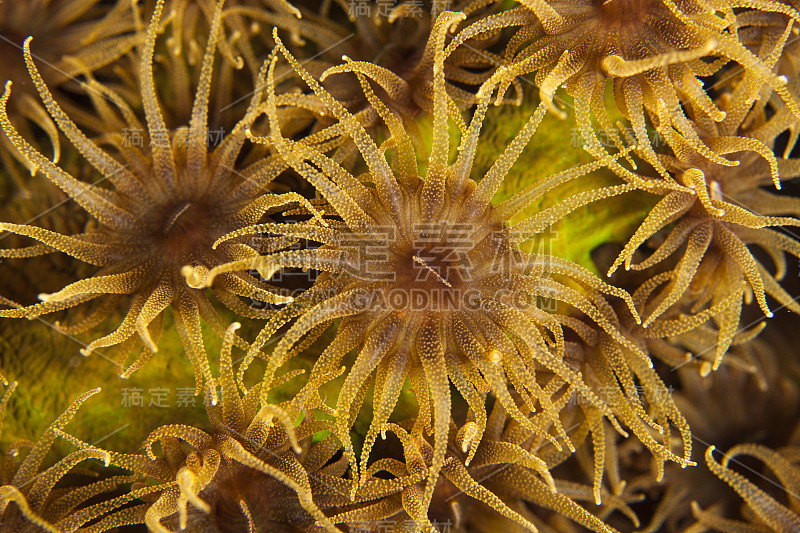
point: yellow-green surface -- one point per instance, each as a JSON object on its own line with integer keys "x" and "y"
{"x": 557, "y": 146}
{"x": 51, "y": 372}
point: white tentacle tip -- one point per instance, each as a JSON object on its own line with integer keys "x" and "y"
{"x": 283, "y": 299}
{"x": 494, "y": 356}
{"x": 194, "y": 278}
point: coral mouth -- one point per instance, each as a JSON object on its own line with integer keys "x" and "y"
{"x": 186, "y": 231}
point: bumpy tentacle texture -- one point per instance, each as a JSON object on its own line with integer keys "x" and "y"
{"x": 254, "y": 470}
{"x": 160, "y": 204}
{"x": 428, "y": 281}
{"x": 768, "y": 414}
{"x": 653, "y": 52}
{"x": 767, "y": 411}
{"x": 72, "y": 39}
{"x": 772, "y": 34}
{"x": 769, "y": 511}
{"x": 643, "y": 403}
{"x": 698, "y": 347}
{"x": 185, "y": 29}
{"x": 30, "y": 502}
{"x": 506, "y": 473}
{"x": 392, "y": 45}
{"x": 714, "y": 216}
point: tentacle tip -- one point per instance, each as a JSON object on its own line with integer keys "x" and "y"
{"x": 150, "y": 345}
{"x": 456, "y": 20}
{"x": 280, "y": 300}
{"x": 293, "y": 10}
{"x": 494, "y": 356}
{"x": 194, "y": 279}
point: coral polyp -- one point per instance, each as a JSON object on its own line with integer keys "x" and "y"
{"x": 252, "y": 471}
{"x": 172, "y": 197}
{"x": 428, "y": 280}
{"x": 33, "y": 498}
{"x": 447, "y": 313}
{"x": 506, "y": 485}
{"x": 720, "y": 214}
{"x": 393, "y": 45}
{"x": 653, "y": 52}
{"x": 767, "y": 510}
{"x": 71, "y": 40}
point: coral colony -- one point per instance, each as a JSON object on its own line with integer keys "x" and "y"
{"x": 296, "y": 193}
